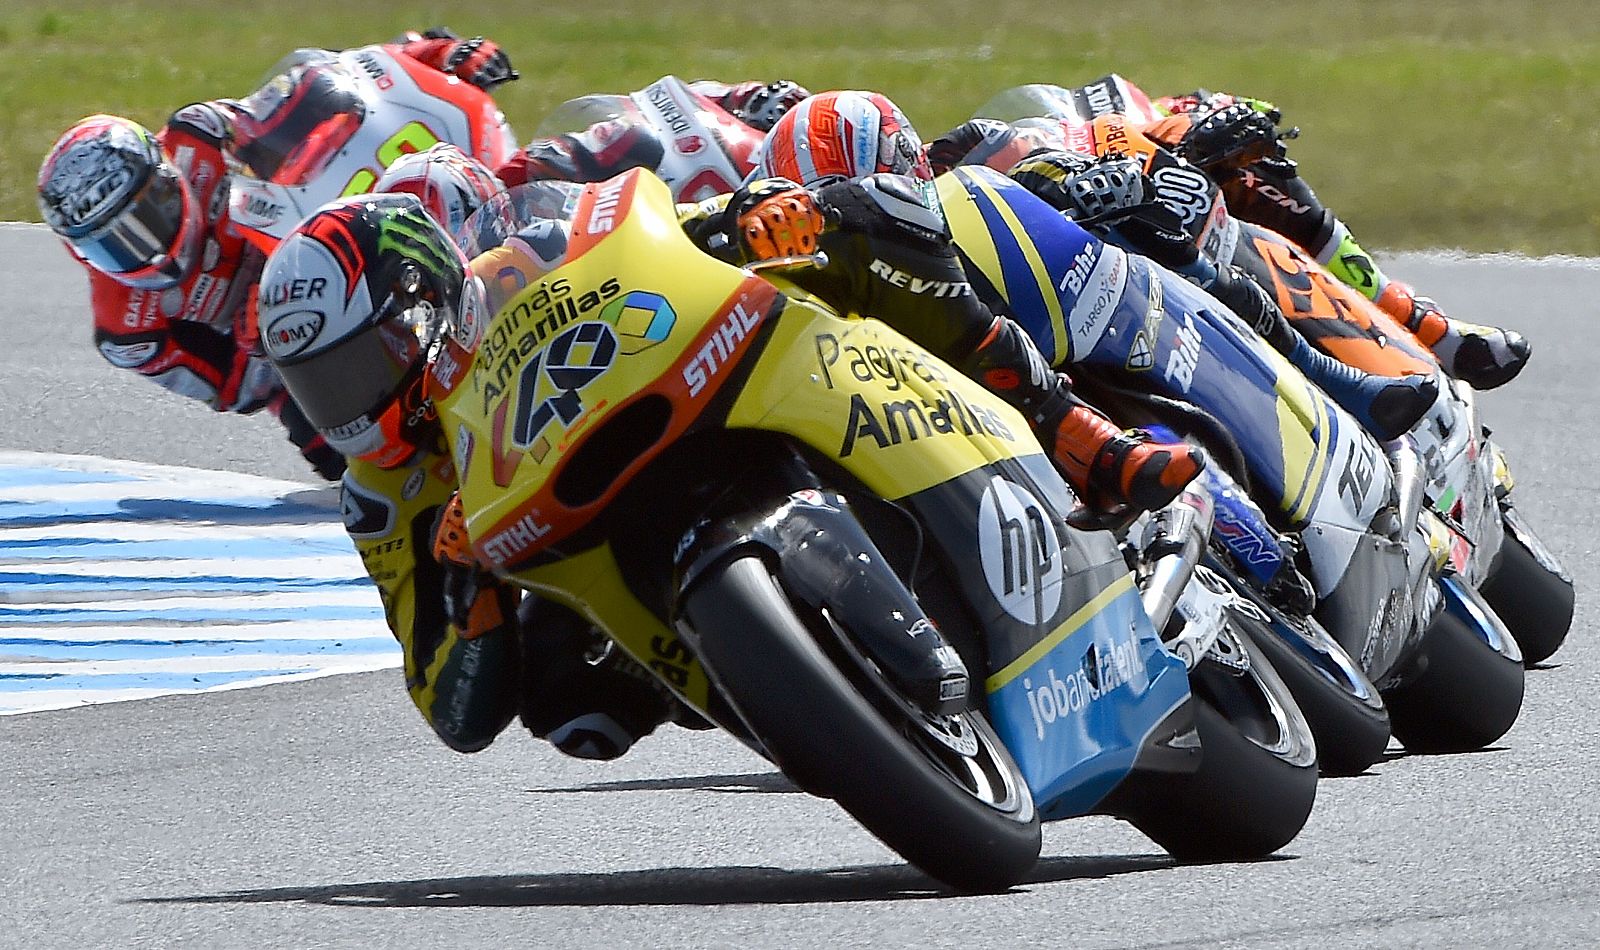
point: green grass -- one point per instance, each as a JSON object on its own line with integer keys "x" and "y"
{"x": 1431, "y": 124}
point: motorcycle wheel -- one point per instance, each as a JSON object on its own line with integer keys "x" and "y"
{"x": 1467, "y": 695}
{"x": 967, "y": 820}
{"x": 1258, "y": 761}
{"x": 1344, "y": 710}
{"x": 1535, "y": 604}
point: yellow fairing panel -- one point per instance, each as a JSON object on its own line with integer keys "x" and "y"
{"x": 890, "y": 412}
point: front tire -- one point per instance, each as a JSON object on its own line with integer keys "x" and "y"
{"x": 1535, "y": 603}
{"x": 1466, "y": 696}
{"x": 967, "y": 820}
{"x": 1342, "y": 707}
{"x": 1258, "y": 762}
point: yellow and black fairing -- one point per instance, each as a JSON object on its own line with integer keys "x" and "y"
{"x": 640, "y": 409}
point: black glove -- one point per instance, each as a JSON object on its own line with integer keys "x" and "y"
{"x": 1228, "y": 139}
{"x": 766, "y": 105}
{"x": 970, "y": 142}
{"x": 324, "y": 458}
{"x": 481, "y": 62}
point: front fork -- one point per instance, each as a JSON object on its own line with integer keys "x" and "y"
{"x": 826, "y": 561}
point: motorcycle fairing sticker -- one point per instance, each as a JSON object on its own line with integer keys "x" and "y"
{"x": 1203, "y": 354}
{"x": 1075, "y": 710}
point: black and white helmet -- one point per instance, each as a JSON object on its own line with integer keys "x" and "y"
{"x": 350, "y": 303}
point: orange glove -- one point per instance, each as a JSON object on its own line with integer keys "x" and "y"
{"x": 786, "y": 224}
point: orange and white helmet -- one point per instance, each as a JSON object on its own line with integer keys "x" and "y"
{"x": 450, "y": 183}
{"x": 842, "y": 134}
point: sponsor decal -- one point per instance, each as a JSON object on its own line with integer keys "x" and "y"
{"x": 145, "y": 307}
{"x": 88, "y": 182}
{"x": 1020, "y": 551}
{"x": 129, "y": 355}
{"x": 507, "y": 544}
{"x": 551, "y": 382}
{"x": 413, "y": 485}
{"x": 1096, "y": 281}
{"x": 1102, "y": 97}
{"x": 602, "y": 218}
{"x": 1185, "y": 355}
{"x": 688, "y": 144}
{"x": 367, "y": 514}
{"x": 263, "y": 209}
{"x": 524, "y": 326}
{"x": 1141, "y": 354}
{"x": 1140, "y": 357}
{"x": 668, "y": 108}
{"x": 720, "y": 348}
{"x": 1186, "y": 191}
{"x": 893, "y": 423}
{"x": 293, "y": 332}
{"x": 642, "y": 320}
{"x": 1104, "y": 668}
{"x": 1273, "y": 194}
{"x": 291, "y": 291}
{"x": 1356, "y": 480}
{"x": 917, "y": 285}
{"x": 463, "y": 447}
{"x": 893, "y": 366}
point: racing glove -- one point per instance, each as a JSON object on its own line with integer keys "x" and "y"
{"x": 471, "y": 595}
{"x": 970, "y": 143}
{"x": 478, "y": 60}
{"x": 1227, "y": 139}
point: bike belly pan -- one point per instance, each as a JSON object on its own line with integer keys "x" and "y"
{"x": 1077, "y": 709}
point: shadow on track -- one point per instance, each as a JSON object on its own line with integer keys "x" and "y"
{"x": 665, "y": 887}
{"x": 740, "y": 784}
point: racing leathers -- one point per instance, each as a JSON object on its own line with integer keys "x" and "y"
{"x": 477, "y": 653}
{"x": 199, "y": 338}
{"x": 892, "y": 257}
{"x": 1114, "y": 198}
{"x": 741, "y": 114}
{"x": 1237, "y": 141}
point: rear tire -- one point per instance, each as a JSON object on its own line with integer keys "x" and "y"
{"x": 1467, "y": 695}
{"x": 1535, "y": 604}
{"x": 1258, "y": 765}
{"x": 968, "y": 821}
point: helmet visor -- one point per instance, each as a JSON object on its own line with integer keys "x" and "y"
{"x": 146, "y": 244}
{"x": 343, "y": 390}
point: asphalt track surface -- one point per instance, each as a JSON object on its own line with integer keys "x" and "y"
{"x": 322, "y": 813}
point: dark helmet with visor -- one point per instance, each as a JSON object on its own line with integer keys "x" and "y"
{"x": 109, "y": 193}
{"x": 350, "y": 304}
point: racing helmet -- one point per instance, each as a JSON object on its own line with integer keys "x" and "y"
{"x": 108, "y": 191}
{"x": 350, "y": 304}
{"x": 842, "y": 134}
{"x": 450, "y": 183}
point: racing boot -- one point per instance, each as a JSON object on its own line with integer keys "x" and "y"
{"x": 1484, "y": 357}
{"x": 1384, "y": 406}
{"x": 1104, "y": 464}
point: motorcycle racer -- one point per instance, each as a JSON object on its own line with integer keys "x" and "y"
{"x": 664, "y": 127}
{"x": 171, "y": 279}
{"x": 1236, "y": 141}
{"x": 844, "y": 171}
{"x": 1116, "y": 197}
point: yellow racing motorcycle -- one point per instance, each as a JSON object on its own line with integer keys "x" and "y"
{"x": 839, "y": 549}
